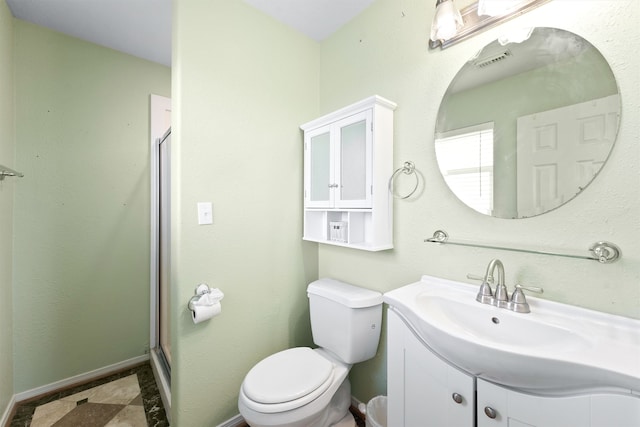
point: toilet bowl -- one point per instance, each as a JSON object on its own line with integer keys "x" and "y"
{"x": 305, "y": 387}
{"x": 299, "y": 387}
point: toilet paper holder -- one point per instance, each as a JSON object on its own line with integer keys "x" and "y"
{"x": 204, "y": 295}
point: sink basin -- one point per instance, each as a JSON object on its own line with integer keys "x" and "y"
{"x": 489, "y": 325}
{"x": 557, "y": 348}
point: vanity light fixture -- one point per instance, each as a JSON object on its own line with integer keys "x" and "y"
{"x": 477, "y": 17}
{"x": 446, "y": 21}
{"x": 494, "y": 7}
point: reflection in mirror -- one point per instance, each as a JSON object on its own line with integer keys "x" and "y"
{"x": 525, "y": 126}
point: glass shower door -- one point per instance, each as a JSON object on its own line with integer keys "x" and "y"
{"x": 164, "y": 248}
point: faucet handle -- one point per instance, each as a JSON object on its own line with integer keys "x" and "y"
{"x": 485, "y": 293}
{"x": 535, "y": 289}
{"x": 519, "y": 302}
{"x": 478, "y": 277}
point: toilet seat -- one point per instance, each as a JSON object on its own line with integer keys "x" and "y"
{"x": 287, "y": 380}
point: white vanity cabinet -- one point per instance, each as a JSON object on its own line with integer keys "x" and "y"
{"x": 348, "y": 159}
{"x": 423, "y": 390}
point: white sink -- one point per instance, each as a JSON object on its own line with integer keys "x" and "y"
{"x": 555, "y": 348}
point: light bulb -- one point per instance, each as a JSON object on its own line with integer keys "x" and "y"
{"x": 446, "y": 21}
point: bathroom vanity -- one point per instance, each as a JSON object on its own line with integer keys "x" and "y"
{"x": 455, "y": 362}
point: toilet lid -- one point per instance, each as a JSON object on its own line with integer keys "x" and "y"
{"x": 288, "y": 375}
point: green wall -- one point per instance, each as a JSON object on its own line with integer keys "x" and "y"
{"x": 7, "y": 149}
{"x": 81, "y": 254}
{"x": 384, "y": 51}
{"x": 242, "y": 84}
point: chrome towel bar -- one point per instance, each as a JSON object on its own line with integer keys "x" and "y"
{"x": 603, "y": 252}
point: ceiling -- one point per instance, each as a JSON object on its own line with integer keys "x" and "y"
{"x": 143, "y": 27}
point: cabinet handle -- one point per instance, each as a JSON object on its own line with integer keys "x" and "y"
{"x": 457, "y": 397}
{"x": 490, "y": 412}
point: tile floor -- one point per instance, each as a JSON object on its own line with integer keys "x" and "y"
{"x": 126, "y": 399}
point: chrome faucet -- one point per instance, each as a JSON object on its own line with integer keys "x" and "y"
{"x": 501, "y": 297}
{"x": 517, "y": 302}
{"x": 485, "y": 293}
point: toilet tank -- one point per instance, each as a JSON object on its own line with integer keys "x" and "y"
{"x": 345, "y": 319}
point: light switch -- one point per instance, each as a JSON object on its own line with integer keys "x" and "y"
{"x": 205, "y": 213}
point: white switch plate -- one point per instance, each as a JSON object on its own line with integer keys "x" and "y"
{"x": 205, "y": 213}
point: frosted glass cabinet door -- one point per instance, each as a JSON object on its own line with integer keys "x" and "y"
{"x": 320, "y": 168}
{"x": 338, "y": 164}
{"x": 353, "y": 174}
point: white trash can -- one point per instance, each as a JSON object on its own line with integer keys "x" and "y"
{"x": 377, "y": 412}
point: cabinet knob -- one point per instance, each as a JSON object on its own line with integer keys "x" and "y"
{"x": 490, "y": 412}
{"x": 457, "y": 397}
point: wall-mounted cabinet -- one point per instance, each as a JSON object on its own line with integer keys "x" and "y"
{"x": 348, "y": 158}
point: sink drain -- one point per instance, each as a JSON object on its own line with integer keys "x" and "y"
{"x": 495, "y": 320}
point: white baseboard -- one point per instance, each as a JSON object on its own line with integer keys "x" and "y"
{"x": 81, "y": 378}
{"x": 4, "y": 421}
{"x": 233, "y": 422}
{"x": 360, "y": 406}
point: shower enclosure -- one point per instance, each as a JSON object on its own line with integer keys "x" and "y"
{"x": 160, "y": 339}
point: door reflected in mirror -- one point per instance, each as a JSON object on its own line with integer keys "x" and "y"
{"x": 525, "y": 126}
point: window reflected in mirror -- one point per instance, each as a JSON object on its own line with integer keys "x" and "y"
{"x": 467, "y": 165}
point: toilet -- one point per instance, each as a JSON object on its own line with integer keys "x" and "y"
{"x": 305, "y": 387}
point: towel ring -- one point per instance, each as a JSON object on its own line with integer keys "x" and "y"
{"x": 408, "y": 169}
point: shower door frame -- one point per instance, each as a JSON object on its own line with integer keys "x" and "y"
{"x": 160, "y": 111}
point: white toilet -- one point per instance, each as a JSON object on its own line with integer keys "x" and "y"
{"x": 304, "y": 387}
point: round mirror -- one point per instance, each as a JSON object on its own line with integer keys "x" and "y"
{"x": 527, "y": 123}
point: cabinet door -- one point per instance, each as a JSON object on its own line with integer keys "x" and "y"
{"x": 353, "y": 161}
{"x": 395, "y": 370}
{"x": 318, "y": 168}
{"x": 499, "y": 407}
{"x": 436, "y": 394}
{"x": 615, "y": 410}
{"x": 432, "y": 393}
